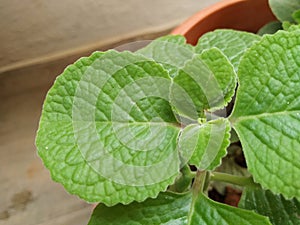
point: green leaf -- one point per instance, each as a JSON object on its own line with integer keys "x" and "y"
{"x": 205, "y": 144}
{"x": 270, "y": 28}
{"x": 283, "y": 9}
{"x": 99, "y": 129}
{"x": 207, "y": 82}
{"x": 231, "y": 42}
{"x": 167, "y": 208}
{"x": 208, "y": 212}
{"x": 292, "y": 27}
{"x": 279, "y": 210}
{"x": 171, "y": 51}
{"x": 266, "y": 115}
{"x": 296, "y": 16}
{"x": 171, "y": 209}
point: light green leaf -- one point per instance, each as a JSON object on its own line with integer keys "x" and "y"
{"x": 279, "y": 210}
{"x": 175, "y": 209}
{"x": 206, "y": 144}
{"x": 166, "y": 209}
{"x": 270, "y": 28}
{"x": 283, "y": 9}
{"x": 294, "y": 28}
{"x": 266, "y": 115}
{"x": 171, "y": 51}
{"x": 207, "y": 82}
{"x": 231, "y": 42}
{"x": 107, "y": 130}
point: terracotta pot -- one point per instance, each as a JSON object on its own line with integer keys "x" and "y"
{"x": 246, "y": 15}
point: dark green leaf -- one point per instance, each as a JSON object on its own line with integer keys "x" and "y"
{"x": 270, "y": 28}
{"x": 276, "y": 207}
{"x": 175, "y": 209}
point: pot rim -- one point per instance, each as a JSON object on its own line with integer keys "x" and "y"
{"x": 192, "y": 21}
{"x": 244, "y": 15}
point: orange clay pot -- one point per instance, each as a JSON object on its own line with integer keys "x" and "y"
{"x": 246, "y": 15}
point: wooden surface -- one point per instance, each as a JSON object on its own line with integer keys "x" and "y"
{"x": 27, "y": 193}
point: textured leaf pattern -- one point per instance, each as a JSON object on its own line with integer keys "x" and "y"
{"x": 167, "y": 208}
{"x": 208, "y": 212}
{"x": 231, "y": 42}
{"x": 179, "y": 209}
{"x": 206, "y": 82}
{"x": 89, "y": 107}
{"x": 266, "y": 115}
{"x": 276, "y": 207}
{"x": 206, "y": 143}
{"x": 171, "y": 51}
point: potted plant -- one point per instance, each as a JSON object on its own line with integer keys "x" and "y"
{"x": 148, "y": 134}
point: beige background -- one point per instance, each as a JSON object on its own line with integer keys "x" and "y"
{"x": 38, "y": 39}
{"x": 32, "y": 30}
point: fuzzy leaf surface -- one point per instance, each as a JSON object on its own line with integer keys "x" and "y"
{"x": 266, "y": 115}
{"x": 99, "y": 129}
{"x": 276, "y": 207}
{"x": 231, "y": 42}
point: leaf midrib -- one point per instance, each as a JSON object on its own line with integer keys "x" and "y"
{"x": 235, "y": 120}
{"x": 173, "y": 124}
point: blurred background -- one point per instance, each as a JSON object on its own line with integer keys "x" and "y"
{"x": 39, "y": 38}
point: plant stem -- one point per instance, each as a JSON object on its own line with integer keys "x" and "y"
{"x": 232, "y": 179}
{"x": 184, "y": 181}
{"x": 199, "y": 183}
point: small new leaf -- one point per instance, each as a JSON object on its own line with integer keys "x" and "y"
{"x": 206, "y": 82}
{"x": 205, "y": 143}
{"x": 231, "y": 42}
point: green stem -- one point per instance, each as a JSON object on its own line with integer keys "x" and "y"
{"x": 184, "y": 181}
{"x": 232, "y": 179}
{"x": 199, "y": 183}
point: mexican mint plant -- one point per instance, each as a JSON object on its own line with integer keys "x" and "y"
{"x": 148, "y": 133}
